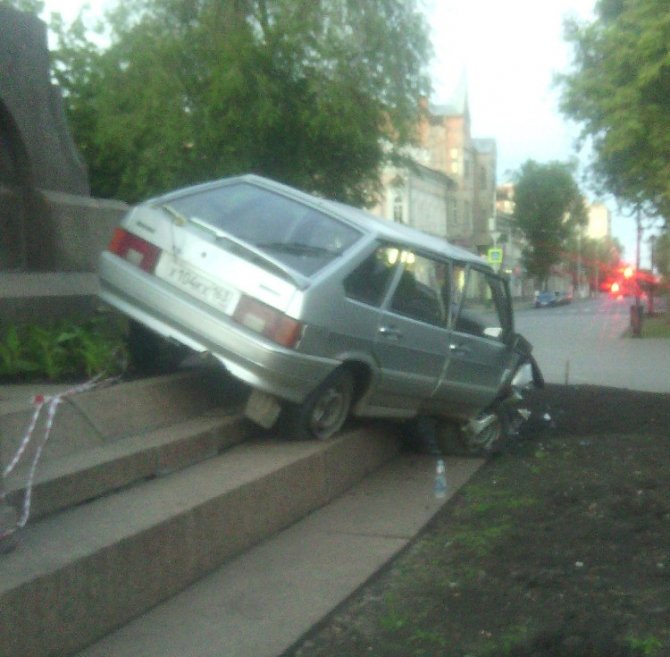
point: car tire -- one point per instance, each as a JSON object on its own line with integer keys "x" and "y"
{"x": 149, "y": 353}
{"x": 324, "y": 411}
{"x": 420, "y": 435}
{"x": 455, "y": 440}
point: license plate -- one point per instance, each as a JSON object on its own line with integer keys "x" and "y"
{"x": 197, "y": 284}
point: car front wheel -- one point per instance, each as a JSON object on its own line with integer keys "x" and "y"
{"x": 324, "y": 411}
{"x": 482, "y": 436}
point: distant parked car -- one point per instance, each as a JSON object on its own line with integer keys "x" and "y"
{"x": 563, "y": 298}
{"x": 321, "y": 308}
{"x": 545, "y": 299}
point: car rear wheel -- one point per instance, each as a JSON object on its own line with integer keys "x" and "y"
{"x": 150, "y": 353}
{"x": 324, "y": 411}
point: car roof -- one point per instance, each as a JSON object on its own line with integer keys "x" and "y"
{"x": 382, "y": 228}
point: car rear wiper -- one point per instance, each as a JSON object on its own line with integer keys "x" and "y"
{"x": 181, "y": 219}
{"x": 295, "y": 248}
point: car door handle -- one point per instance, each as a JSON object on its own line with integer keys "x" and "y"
{"x": 390, "y": 332}
{"x": 459, "y": 349}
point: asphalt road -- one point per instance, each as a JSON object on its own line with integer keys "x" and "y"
{"x": 582, "y": 343}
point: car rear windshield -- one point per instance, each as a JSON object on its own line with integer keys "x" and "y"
{"x": 293, "y": 233}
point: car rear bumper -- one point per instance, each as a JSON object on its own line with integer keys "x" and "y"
{"x": 171, "y": 313}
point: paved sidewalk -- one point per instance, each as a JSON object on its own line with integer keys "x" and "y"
{"x": 630, "y": 363}
{"x": 595, "y": 353}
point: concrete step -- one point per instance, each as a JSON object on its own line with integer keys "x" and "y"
{"x": 90, "y": 473}
{"x": 78, "y": 574}
{"x": 111, "y": 412}
{"x": 264, "y": 601}
{"x": 114, "y": 435}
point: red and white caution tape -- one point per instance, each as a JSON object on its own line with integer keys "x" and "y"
{"x": 40, "y": 401}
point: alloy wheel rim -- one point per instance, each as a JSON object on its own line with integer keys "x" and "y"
{"x": 330, "y": 412}
{"x": 487, "y": 437}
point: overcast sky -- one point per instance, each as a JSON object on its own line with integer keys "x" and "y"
{"x": 509, "y": 52}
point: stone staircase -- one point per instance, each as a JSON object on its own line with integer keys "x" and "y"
{"x": 145, "y": 487}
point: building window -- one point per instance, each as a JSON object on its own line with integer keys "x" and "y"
{"x": 398, "y": 209}
{"x": 453, "y": 217}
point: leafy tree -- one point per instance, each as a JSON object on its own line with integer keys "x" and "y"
{"x": 547, "y": 207}
{"x": 596, "y": 260}
{"x": 618, "y": 91}
{"x": 30, "y": 6}
{"x": 661, "y": 255}
{"x": 309, "y": 92}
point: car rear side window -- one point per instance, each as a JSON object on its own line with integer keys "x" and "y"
{"x": 370, "y": 280}
{"x": 294, "y": 233}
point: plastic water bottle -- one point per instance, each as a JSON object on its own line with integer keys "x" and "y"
{"x": 440, "y": 488}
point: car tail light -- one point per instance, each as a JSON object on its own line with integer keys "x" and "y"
{"x": 134, "y": 249}
{"x": 268, "y": 321}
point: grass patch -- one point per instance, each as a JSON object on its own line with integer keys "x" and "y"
{"x": 62, "y": 350}
{"x": 656, "y": 327}
{"x": 653, "y": 326}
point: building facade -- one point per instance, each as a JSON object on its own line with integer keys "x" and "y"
{"x": 599, "y": 221}
{"x": 445, "y": 134}
{"x": 417, "y": 196}
{"x": 511, "y": 241}
{"x": 448, "y": 190}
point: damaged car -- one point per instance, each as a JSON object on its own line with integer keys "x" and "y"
{"x": 322, "y": 309}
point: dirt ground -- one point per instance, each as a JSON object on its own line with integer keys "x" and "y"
{"x": 559, "y": 546}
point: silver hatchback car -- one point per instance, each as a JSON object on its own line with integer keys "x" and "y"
{"x": 321, "y": 308}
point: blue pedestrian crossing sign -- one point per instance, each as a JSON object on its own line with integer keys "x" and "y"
{"x": 495, "y": 256}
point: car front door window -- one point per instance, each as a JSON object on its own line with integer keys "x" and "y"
{"x": 481, "y": 311}
{"x": 420, "y": 293}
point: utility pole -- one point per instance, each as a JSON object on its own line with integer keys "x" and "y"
{"x": 578, "y": 291}
{"x": 636, "y": 310}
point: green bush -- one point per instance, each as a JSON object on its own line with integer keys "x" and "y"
{"x": 62, "y": 350}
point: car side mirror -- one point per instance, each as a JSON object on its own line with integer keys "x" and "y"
{"x": 493, "y": 332}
